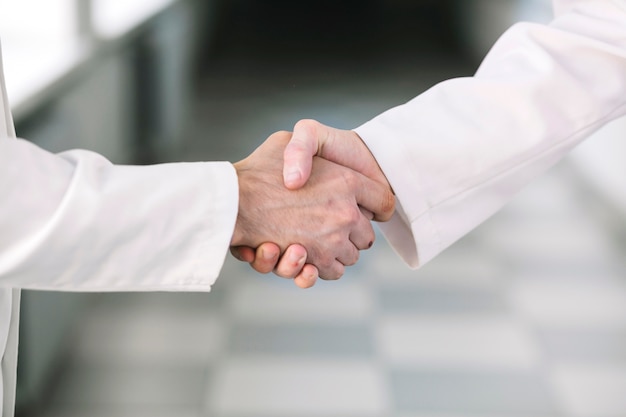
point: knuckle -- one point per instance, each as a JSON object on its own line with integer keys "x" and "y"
{"x": 333, "y": 273}
{"x": 280, "y": 134}
{"x": 323, "y": 261}
{"x": 329, "y": 269}
{"x": 353, "y": 215}
{"x": 351, "y": 179}
{"x": 307, "y": 125}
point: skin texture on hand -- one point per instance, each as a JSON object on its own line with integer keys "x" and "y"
{"x": 312, "y": 138}
{"x": 324, "y": 216}
{"x": 344, "y": 147}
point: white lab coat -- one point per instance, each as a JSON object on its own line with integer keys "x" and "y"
{"x": 457, "y": 153}
{"x": 454, "y": 155}
{"x": 75, "y": 222}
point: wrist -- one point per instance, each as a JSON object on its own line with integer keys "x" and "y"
{"x": 238, "y": 233}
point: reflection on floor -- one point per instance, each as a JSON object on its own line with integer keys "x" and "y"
{"x": 525, "y": 317}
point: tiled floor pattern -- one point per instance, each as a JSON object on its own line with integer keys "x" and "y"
{"x": 525, "y": 317}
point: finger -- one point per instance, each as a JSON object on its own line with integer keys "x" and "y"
{"x": 307, "y": 277}
{"x": 368, "y": 214}
{"x": 243, "y": 253}
{"x": 363, "y": 235}
{"x": 349, "y": 255}
{"x": 340, "y": 248}
{"x": 266, "y": 257}
{"x": 376, "y": 198}
{"x": 292, "y": 261}
{"x": 331, "y": 264}
{"x": 298, "y": 154}
{"x": 334, "y": 270}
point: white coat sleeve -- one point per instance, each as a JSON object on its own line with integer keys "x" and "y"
{"x": 457, "y": 153}
{"x": 74, "y": 221}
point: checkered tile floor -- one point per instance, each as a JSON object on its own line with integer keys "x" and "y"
{"x": 525, "y": 317}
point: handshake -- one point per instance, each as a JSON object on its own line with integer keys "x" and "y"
{"x": 306, "y": 201}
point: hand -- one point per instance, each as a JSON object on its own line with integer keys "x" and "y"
{"x": 324, "y": 216}
{"x": 344, "y": 147}
{"x": 292, "y": 263}
{"x": 341, "y": 146}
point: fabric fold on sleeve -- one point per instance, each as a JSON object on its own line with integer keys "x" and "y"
{"x": 90, "y": 225}
{"x": 460, "y": 151}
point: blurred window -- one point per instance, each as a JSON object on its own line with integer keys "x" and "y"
{"x": 42, "y": 40}
{"x": 49, "y": 21}
{"x": 112, "y": 19}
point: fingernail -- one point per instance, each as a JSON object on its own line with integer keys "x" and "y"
{"x": 268, "y": 256}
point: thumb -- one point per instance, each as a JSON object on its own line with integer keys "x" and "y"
{"x": 299, "y": 153}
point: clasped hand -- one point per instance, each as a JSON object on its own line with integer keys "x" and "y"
{"x": 305, "y": 203}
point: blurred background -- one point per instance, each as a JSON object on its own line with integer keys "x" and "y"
{"x": 526, "y": 316}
